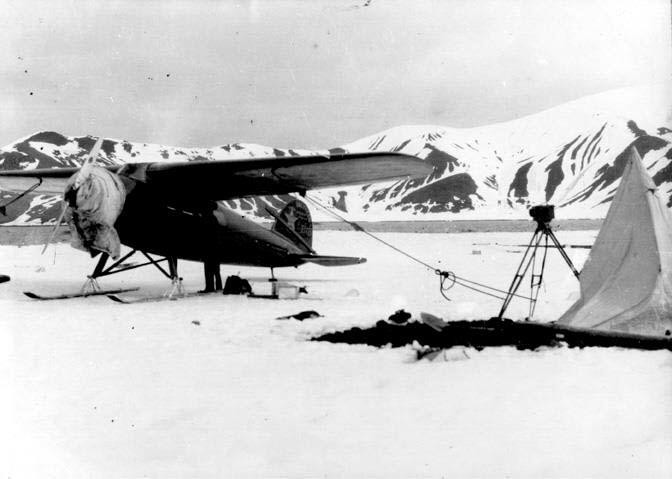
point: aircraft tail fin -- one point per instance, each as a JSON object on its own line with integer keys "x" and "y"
{"x": 295, "y": 224}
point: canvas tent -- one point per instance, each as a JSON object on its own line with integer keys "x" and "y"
{"x": 626, "y": 283}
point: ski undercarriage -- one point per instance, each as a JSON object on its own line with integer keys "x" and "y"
{"x": 92, "y": 288}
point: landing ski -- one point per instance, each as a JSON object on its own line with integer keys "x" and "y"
{"x": 156, "y": 299}
{"x": 101, "y": 292}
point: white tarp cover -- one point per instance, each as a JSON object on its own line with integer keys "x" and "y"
{"x": 626, "y": 283}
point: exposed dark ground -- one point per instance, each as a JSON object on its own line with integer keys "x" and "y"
{"x": 492, "y": 332}
{"x": 29, "y": 235}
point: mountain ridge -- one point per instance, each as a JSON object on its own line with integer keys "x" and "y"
{"x": 570, "y": 155}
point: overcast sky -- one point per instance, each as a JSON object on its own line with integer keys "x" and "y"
{"x": 311, "y": 73}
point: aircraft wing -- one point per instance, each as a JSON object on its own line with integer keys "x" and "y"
{"x": 51, "y": 180}
{"x": 229, "y": 179}
{"x": 222, "y": 180}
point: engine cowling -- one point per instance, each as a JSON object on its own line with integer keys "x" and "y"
{"x": 95, "y": 198}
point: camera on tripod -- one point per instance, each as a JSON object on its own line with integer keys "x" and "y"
{"x": 542, "y": 214}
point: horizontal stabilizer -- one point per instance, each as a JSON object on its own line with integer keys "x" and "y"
{"x": 330, "y": 260}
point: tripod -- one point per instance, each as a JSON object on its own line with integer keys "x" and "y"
{"x": 543, "y": 215}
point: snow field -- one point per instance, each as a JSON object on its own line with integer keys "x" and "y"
{"x": 98, "y": 389}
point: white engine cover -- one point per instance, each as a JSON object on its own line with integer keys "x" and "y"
{"x": 93, "y": 208}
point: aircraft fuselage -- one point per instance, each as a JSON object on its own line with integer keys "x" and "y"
{"x": 210, "y": 232}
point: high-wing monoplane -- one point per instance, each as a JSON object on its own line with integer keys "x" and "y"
{"x": 172, "y": 209}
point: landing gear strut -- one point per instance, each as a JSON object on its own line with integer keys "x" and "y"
{"x": 213, "y": 278}
{"x": 91, "y": 285}
{"x": 176, "y": 288}
{"x": 274, "y": 284}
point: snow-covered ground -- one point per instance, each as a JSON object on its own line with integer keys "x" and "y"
{"x": 97, "y": 389}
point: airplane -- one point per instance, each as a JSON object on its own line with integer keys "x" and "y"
{"x": 173, "y": 210}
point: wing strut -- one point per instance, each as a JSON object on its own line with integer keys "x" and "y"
{"x": 3, "y": 208}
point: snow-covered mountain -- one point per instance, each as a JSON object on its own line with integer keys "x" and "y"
{"x": 48, "y": 149}
{"x": 571, "y": 155}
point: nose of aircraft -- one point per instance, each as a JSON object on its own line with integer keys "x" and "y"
{"x": 95, "y": 201}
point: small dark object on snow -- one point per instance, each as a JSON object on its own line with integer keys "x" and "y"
{"x": 4, "y": 278}
{"x": 236, "y": 285}
{"x": 196, "y": 322}
{"x": 400, "y": 316}
{"x": 303, "y": 315}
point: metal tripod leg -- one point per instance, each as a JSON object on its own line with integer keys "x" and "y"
{"x": 522, "y": 270}
{"x": 563, "y": 253}
{"x": 537, "y": 278}
{"x": 543, "y": 231}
